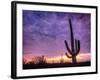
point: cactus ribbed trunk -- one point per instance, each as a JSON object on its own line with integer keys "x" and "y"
{"x": 71, "y": 34}
{"x": 74, "y": 59}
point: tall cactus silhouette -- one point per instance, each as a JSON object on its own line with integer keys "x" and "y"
{"x": 73, "y": 51}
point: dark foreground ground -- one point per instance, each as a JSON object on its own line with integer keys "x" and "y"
{"x": 55, "y": 65}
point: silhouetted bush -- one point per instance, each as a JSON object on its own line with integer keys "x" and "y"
{"x": 40, "y": 60}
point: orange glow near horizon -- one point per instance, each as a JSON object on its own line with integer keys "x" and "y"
{"x": 82, "y": 57}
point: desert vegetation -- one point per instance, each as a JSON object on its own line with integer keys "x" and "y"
{"x": 42, "y": 62}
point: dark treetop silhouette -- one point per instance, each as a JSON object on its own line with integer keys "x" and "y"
{"x": 75, "y": 45}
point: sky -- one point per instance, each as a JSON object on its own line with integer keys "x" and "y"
{"x": 44, "y": 32}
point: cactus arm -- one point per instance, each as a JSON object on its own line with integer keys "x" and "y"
{"x": 77, "y": 45}
{"x": 75, "y": 49}
{"x": 78, "y": 48}
{"x": 68, "y": 55}
{"x": 66, "y": 44}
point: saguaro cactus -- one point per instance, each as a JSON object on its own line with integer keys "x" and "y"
{"x": 73, "y": 51}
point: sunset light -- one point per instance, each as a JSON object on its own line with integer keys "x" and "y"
{"x": 80, "y": 58}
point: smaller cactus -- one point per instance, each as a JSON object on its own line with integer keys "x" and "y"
{"x": 40, "y": 60}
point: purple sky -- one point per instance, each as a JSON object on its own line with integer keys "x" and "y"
{"x": 44, "y": 32}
